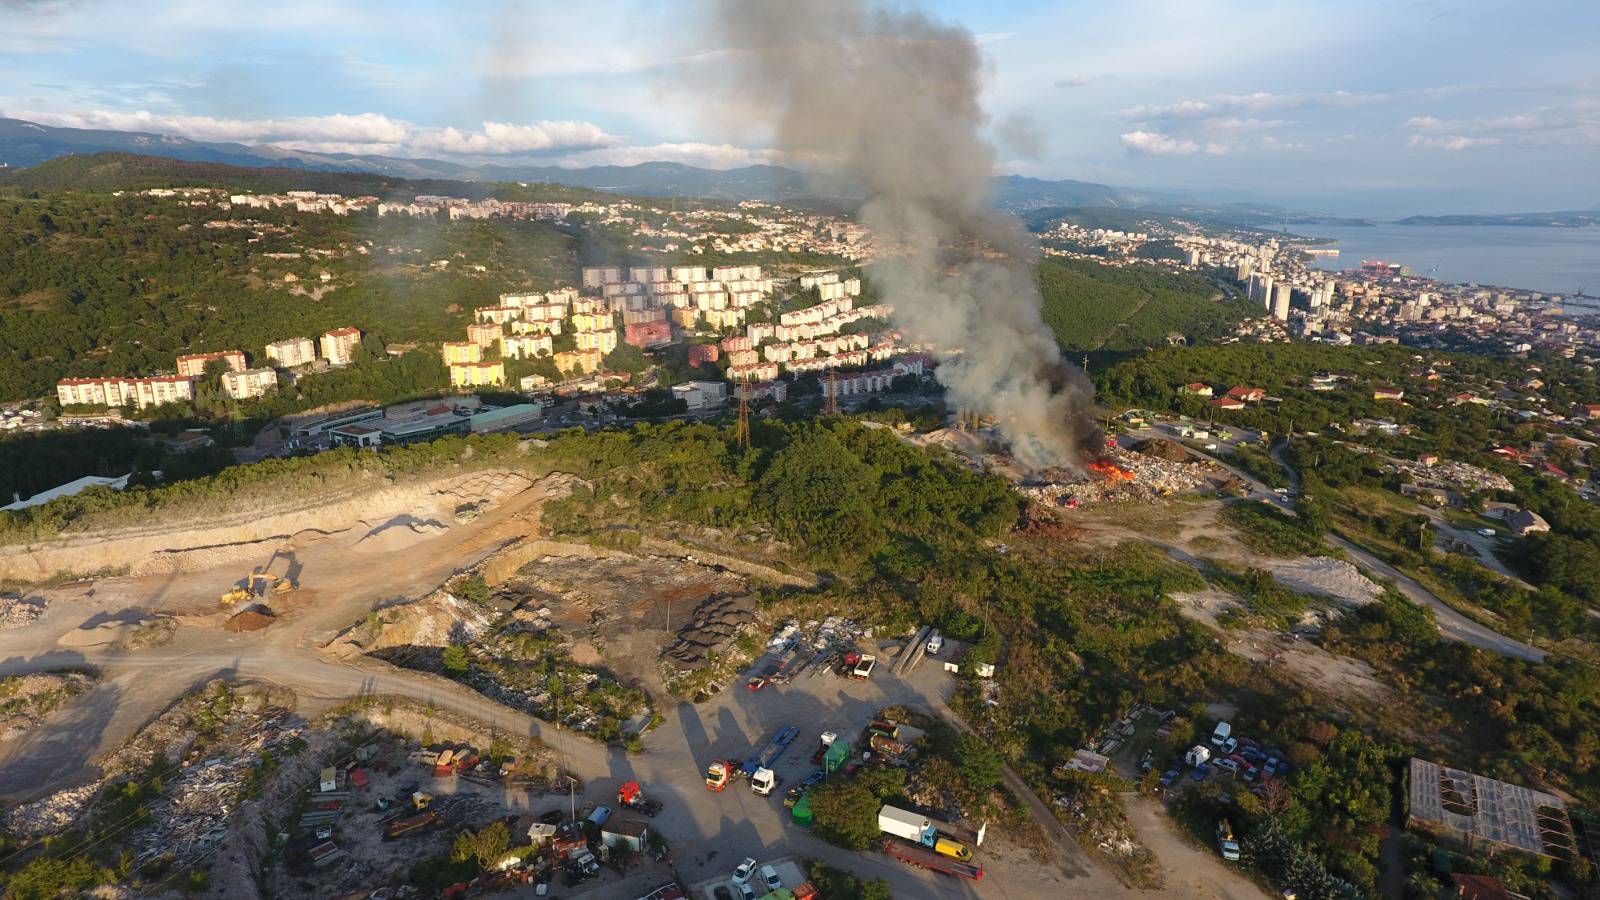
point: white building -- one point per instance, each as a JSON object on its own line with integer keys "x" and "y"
{"x": 287, "y": 354}
{"x": 250, "y": 383}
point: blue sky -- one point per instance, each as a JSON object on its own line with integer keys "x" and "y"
{"x": 1354, "y": 107}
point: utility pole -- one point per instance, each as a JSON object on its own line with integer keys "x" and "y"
{"x": 742, "y": 434}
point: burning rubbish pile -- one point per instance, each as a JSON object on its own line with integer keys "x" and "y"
{"x": 1118, "y": 475}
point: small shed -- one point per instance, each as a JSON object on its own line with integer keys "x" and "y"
{"x": 631, "y": 832}
{"x": 329, "y": 780}
{"x": 802, "y": 812}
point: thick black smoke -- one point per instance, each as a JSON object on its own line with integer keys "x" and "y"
{"x": 889, "y": 98}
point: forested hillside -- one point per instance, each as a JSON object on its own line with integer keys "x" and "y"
{"x": 1091, "y": 306}
{"x": 94, "y": 284}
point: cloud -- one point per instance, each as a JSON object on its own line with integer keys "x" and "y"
{"x": 1221, "y": 105}
{"x": 501, "y": 138}
{"x": 1149, "y": 143}
{"x": 1574, "y": 124}
{"x": 708, "y": 156}
{"x": 1450, "y": 142}
{"x": 342, "y": 133}
{"x": 1073, "y": 81}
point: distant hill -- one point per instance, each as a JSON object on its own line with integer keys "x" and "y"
{"x": 132, "y": 172}
{"x": 25, "y": 144}
{"x": 1577, "y": 219}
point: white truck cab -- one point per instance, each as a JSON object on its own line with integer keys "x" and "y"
{"x": 763, "y": 781}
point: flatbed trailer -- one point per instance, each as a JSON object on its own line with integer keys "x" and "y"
{"x": 772, "y": 751}
{"x": 923, "y": 858}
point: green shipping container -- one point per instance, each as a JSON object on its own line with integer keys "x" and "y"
{"x": 802, "y": 812}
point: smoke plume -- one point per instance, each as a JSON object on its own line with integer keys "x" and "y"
{"x": 890, "y": 98}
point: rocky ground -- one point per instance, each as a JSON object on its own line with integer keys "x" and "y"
{"x": 25, "y": 700}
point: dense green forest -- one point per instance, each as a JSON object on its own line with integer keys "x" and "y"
{"x": 92, "y": 284}
{"x": 1091, "y": 306}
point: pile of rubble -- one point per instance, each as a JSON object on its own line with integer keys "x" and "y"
{"x": 25, "y": 700}
{"x": 717, "y": 622}
{"x": 16, "y": 612}
{"x": 50, "y": 814}
{"x": 1123, "y": 476}
{"x": 1450, "y": 474}
{"x": 191, "y": 818}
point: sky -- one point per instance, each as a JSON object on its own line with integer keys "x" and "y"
{"x": 1355, "y": 107}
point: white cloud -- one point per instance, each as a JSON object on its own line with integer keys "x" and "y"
{"x": 341, "y": 133}
{"x": 1074, "y": 81}
{"x": 501, "y": 138}
{"x": 1575, "y": 124}
{"x": 1450, "y": 142}
{"x": 1150, "y": 143}
{"x": 1221, "y": 105}
{"x": 709, "y": 156}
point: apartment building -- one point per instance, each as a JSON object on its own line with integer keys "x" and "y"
{"x": 602, "y": 342}
{"x": 140, "y": 392}
{"x": 484, "y": 334}
{"x": 287, "y": 354}
{"x": 477, "y": 374}
{"x": 193, "y": 365}
{"x": 578, "y": 361}
{"x": 649, "y": 335}
{"x": 525, "y": 346}
{"x": 498, "y": 315}
{"x": 250, "y": 383}
{"x": 339, "y": 345}
{"x": 459, "y": 352}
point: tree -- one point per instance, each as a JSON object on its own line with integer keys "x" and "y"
{"x": 844, "y": 812}
{"x": 979, "y": 762}
{"x": 455, "y": 659}
{"x": 486, "y": 847}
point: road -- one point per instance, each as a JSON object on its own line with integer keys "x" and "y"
{"x": 1452, "y": 624}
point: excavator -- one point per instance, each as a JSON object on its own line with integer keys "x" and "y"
{"x": 258, "y": 582}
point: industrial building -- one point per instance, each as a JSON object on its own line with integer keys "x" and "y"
{"x": 388, "y": 430}
{"x": 505, "y": 418}
{"x": 1474, "y": 810}
{"x": 700, "y": 395}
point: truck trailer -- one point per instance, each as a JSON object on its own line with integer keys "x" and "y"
{"x": 923, "y": 858}
{"x": 906, "y": 825}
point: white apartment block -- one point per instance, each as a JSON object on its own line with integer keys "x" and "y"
{"x": 287, "y": 354}
{"x": 193, "y": 365}
{"x": 250, "y": 383}
{"x": 141, "y": 392}
{"x": 526, "y": 346}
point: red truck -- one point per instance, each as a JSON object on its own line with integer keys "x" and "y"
{"x": 921, "y": 858}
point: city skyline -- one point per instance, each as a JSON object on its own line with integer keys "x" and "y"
{"x": 1369, "y": 109}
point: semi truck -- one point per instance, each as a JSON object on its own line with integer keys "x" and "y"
{"x": 923, "y": 858}
{"x": 720, "y": 772}
{"x": 763, "y": 780}
{"x": 907, "y": 825}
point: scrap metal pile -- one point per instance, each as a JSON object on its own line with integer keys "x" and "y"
{"x": 191, "y": 818}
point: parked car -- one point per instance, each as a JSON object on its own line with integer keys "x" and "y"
{"x": 743, "y": 871}
{"x": 746, "y": 892}
{"x": 1227, "y": 763}
{"x": 935, "y": 644}
{"x": 813, "y": 778}
{"x": 1488, "y": 532}
{"x": 1169, "y": 776}
{"x": 1200, "y": 772}
{"x": 1250, "y": 772}
{"x": 769, "y": 877}
{"x": 1229, "y": 746}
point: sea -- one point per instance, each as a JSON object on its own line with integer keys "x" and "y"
{"x": 1550, "y": 260}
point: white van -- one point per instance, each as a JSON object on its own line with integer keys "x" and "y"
{"x": 935, "y": 644}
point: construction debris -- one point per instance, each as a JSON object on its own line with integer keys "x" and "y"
{"x": 717, "y": 622}
{"x": 16, "y": 612}
{"x": 50, "y": 814}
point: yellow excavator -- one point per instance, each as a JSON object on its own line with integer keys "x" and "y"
{"x": 257, "y": 584}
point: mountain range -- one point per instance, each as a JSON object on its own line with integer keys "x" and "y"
{"x": 25, "y": 144}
